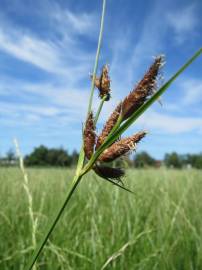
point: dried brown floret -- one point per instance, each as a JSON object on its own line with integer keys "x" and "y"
{"x": 108, "y": 126}
{"x": 109, "y": 173}
{"x": 103, "y": 83}
{"x": 89, "y": 136}
{"x": 142, "y": 90}
{"x": 121, "y": 147}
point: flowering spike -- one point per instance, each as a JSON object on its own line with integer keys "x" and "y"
{"x": 89, "y": 136}
{"x": 109, "y": 173}
{"x": 103, "y": 83}
{"x": 108, "y": 126}
{"x": 121, "y": 147}
{"x": 142, "y": 90}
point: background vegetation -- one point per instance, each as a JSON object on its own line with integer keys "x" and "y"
{"x": 58, "y": 157}
{"x": 160, "y": 227}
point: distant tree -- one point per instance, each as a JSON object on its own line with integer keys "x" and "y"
{"x": 38, "y": 156}
{"x": 173, "y": 160}
{"x": 10, "y": 155}
{"x": 195, "y": 160}
{"x": 43, "y": 156}
{"x": 143, "y": 159}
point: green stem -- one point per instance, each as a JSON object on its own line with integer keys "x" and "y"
{"x": 53, "y": 223}
{"x": 97, "y": 57}
{"x": 78, "y": 176}
{"x": 99, "y": 109}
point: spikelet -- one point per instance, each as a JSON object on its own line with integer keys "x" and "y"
{"x": 89, "y": 136}
{"x": 142, "y": 90}
{"x": 103, "y": 83}
{"x": 108, "y": 126}
{"x": 109, "y": 173}
{"x": 121, "y": 147}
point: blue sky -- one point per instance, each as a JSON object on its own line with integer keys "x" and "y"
{"x": 47, "y": 51}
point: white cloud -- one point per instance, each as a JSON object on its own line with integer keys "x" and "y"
{"x": 32, "y": 50}
{"x": 183, "y": 22}
{"x": 192, "y": 91}
{"x": 83, "y": 23}
{"x": 62, "y": 53}
{"x": 165, "y": 123}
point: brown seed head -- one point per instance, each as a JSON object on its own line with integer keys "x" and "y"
{"x": 109, "y": 173}
{"x": 121, "y": 147}
{"x": 108, "y": 126}
{"x": 89, "y": 136}
{"x": 142, "y": 90}
{"x": 103, "y": 83}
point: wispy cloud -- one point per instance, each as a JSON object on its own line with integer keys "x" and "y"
{"x": 166, "y": 123}
{"x": 31, "y": 49}
{"x": 183, "y": 22}
{"x": 82, "y": 23}
{"x": 192, "y": 91}
{"x": 62, "y": 52}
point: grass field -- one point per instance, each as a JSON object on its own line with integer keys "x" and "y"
{"x": 160, "y": 227}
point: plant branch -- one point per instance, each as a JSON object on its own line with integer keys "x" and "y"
{"x": 97, "y": 57}
{"x": 99, "y": 109}
{"x": 78, "y": 175}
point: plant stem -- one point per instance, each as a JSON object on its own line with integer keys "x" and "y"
{"x": 53, "y": 222}
{"x": 78, "y": 176}
{"x": 97, "y": 57}
{"x": 81, "y": 154}
{"x": 99, "y": 109}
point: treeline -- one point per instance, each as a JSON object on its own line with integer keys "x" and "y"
{"x": 44, "y": 156}
{"x": 172, "y": 160}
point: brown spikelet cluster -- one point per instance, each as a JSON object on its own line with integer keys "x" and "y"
{"x": 108, "y": 126}
{"x": 142, "y": 90}
{"x": 103, "y": 83}
{"x": 89, "y": 136}
{"x": 121, "y": 147}
{"x": 109, "y": 173}
{"x": 125, "y": 109}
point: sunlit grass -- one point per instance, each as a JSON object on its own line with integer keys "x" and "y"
{"x": 159, "y": 227}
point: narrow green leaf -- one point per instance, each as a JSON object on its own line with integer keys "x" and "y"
{"x": 53, "y": 223}
{"x": 97, "y": 56}
{"x": 99, "y": 109}
{"x": 114, "y": 183}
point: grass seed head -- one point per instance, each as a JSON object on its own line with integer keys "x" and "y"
{"x": 109, "y": 173}
{"x": 121, "y": 147}
{"x": 142, "y": 90}
{"x": 103, "y": 83}
{"x": 89, "y": 136}
{"x": 108, "y": 126}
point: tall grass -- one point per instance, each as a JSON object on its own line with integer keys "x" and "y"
{"x": 158, "y": 228}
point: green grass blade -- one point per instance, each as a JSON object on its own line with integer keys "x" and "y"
{"x": 117, "y": 133}
{"x": 97, "y": 57}
{"x": 52, "y": 224}
{"x": 99, "y": 109}
{"x": 114, "y": 183}
{"x": 78, "y": 176}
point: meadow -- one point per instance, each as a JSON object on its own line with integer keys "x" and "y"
{"x": 159, "y": 227}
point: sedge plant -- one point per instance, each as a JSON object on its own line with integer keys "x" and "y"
{"x": 97, "y": 151}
